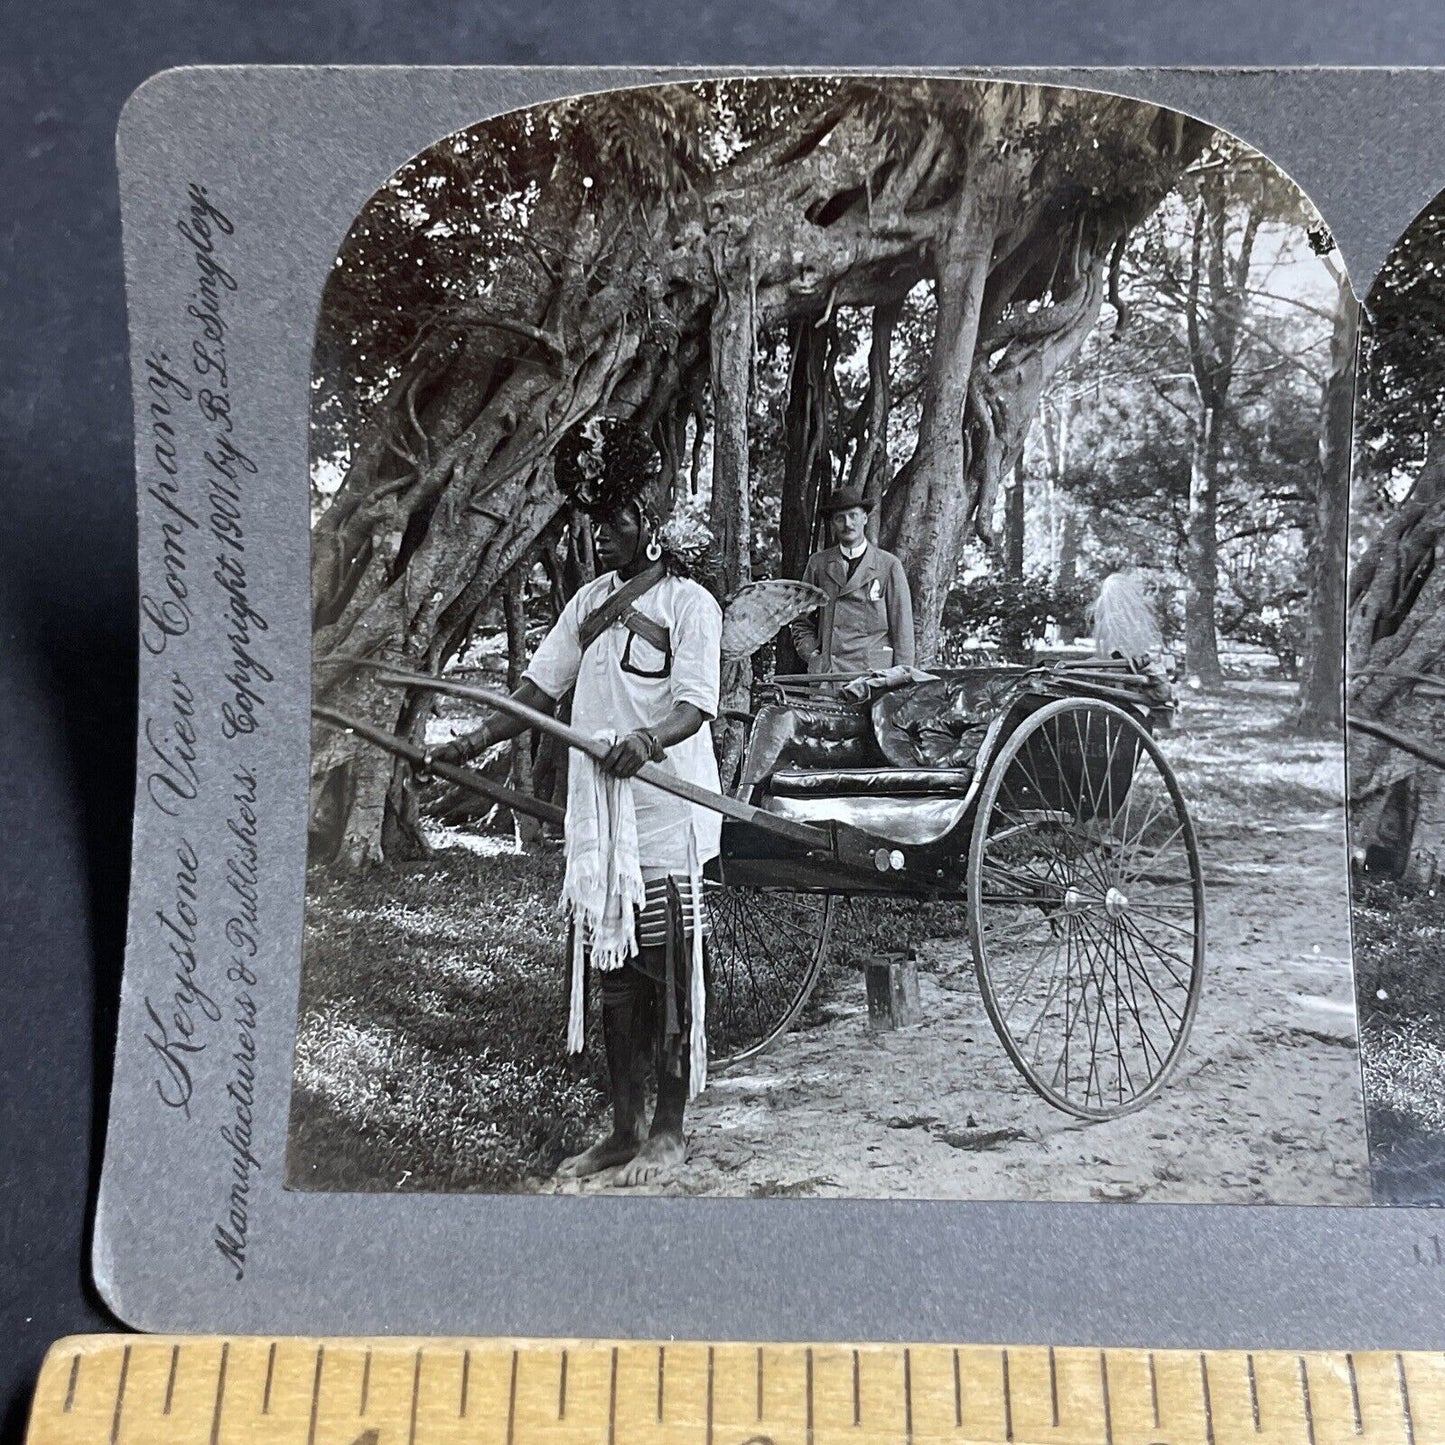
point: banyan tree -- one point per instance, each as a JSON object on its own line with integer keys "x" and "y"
{"x": 625, "y": 253}
{"x": 1396, "y": 641}
{"x": 1396, "y": 622}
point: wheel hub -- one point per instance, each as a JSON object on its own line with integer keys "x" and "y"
{"x": 1116, "y": 904}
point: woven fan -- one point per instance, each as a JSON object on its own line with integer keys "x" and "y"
{"x": 755, "y": 612}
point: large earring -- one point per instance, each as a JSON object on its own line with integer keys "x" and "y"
{"x": 654, "y": 549}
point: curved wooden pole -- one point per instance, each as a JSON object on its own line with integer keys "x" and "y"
{"x": 463, "y": 777}
{"x": 653, "y": 773}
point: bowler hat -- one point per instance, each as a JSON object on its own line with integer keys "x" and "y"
{"x": 846, "y": 497}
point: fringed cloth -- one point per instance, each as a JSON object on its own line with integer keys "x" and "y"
{"x": 673, "y": 925}
{"x": 602, "y": 894}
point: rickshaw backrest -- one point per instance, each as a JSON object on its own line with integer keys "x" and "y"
{"x": 821, "y": 733}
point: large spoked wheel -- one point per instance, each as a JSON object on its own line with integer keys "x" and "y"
{"x": 1086, "y": 908}
{"x": 765, "y": 955}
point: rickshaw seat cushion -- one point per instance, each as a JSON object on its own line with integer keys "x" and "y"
{"x": 914, "y": 822}
{"x": 870, "y": 782}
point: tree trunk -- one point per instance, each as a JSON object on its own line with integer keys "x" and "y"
{"x": 1395, "y": 642}
{"x": 1062, "y": 519}
{"x": 732, "y": 370}
{"x": 1071, "y": 536}
{"x": 361, "y": 840}
{"x": 807, "y": 469}
{"x": 1216, "y": 294}
{"x": 870, "y": 471}
{"x": 401, "y": 835}
{"x": 1014, "y": 525}
{"x": 1321, "y": 692}
{"x": 928, "y": 528}
{"x": 528, "y": 830}
{"x": 1428, "y": 842}
{"x": 1201, "y": 555}
{"x": 807, "y": 462}
{"x": 732, "y": 361}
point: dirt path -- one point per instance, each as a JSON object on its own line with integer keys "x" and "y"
{"x": 1266, "y": 1106}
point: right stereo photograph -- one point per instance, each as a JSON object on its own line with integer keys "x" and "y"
{"x": 1395, "y": 698}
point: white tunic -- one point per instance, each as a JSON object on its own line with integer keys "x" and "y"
{"x": 624, "y": 683}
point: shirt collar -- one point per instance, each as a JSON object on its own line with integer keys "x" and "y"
{"x": 857, "y": 552}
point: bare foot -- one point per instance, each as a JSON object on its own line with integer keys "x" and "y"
{"x": 657, "y": 1160}
{"x": 605, "y": 1154}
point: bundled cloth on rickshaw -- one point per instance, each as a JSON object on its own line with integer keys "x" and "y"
{"x": 942, "y": 723}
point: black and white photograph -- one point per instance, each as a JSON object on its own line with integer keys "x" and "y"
{"x": 827, "y": 599}
{"x": 1396, "y": 702}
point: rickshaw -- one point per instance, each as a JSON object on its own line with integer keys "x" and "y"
{"x": 1036, "y": 797}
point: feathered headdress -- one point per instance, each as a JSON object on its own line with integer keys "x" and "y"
{"x": 604, "y": 464}
{"x": 686, "y": 538}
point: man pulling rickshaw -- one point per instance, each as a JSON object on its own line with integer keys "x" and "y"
{"x": 638, "y": 648}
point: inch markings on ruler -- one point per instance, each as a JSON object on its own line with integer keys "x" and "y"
{"x": 138, "y": 1390}
{"x": 220, "y": 1395}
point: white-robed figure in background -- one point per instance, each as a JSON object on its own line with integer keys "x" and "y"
{"x": 639, "y": 648}
{"x": 1123, "y": 622}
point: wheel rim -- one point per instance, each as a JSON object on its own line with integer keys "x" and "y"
{"x": 766, "y": 950}
{"x": 1087, "y": 908}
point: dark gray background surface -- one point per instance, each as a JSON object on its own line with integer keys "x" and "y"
{"x": 67, "y": 565}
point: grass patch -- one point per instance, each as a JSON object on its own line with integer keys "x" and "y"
{"x": 430, "y": 1049}
{"x": 1400, "y": 988}
{"x": 868, "y": 925}
{"x": 1400, "y": 960}
{"x": 1404, "y": 1068}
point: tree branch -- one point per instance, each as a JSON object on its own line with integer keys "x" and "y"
{"x": 1396, "y": 739}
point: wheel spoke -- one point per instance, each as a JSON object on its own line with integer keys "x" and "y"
{"x": 1146, "y": 1043}
{"x": 766, "y": 950}
{"x": 1136, "y": 868}
{"x": 1057, "y": 981}
{"x": 1141, "y": 971}
{"x": 1108, "y": 962}
{"x": 1130, "y": 848}
{"x": 1076, "y": 853}
{"x": 1089, "y": 988}
{"x": 1071, "y": 1019}
{"x": 1164, "y": 956}
{"x": 1154, "y": 917}
{"x": 1102, "y": 1014}
{"x": 1027, "y": 979}
{"x": 1088, "y": 856}
{"x": 1086, "y": 783}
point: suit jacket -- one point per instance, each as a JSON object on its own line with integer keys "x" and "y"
{"x": 867, "y": 621}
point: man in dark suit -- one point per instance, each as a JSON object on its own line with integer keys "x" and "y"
{"x": 867, "y": 622}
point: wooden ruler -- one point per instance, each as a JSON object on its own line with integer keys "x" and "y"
{"x": 153, "y": 1390}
